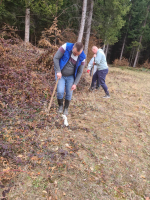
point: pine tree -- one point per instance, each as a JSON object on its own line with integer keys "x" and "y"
{"x": 125, "y": 37}
{"x": 109, "y": 18}
{"x": 141, "y": 36}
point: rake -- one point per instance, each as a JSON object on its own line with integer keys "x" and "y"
{"x": 52, "y": 95}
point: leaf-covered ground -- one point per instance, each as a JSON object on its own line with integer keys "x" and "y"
{"x": 104, "y": 153}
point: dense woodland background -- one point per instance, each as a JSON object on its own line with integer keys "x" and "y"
{"x": 121, "y": 26}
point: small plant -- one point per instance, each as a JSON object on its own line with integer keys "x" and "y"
{"x": 50, "y": 37}
{"x": 147, "y": 64}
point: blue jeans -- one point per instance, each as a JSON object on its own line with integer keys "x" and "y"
{"x": 65, "y": 82}
{"x": 101, "y": 75}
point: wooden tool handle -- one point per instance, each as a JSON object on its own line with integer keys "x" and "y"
{"x": 53, "y": 95}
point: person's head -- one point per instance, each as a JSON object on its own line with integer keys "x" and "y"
{"x": 94, "y": 49}
{"x": 77, "y": 48}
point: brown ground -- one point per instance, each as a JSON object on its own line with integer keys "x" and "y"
{"x": 104, "y": 154}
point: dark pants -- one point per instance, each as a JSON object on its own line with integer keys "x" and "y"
{"x": 96, "y": 84}
{"x": 101, "y": 75}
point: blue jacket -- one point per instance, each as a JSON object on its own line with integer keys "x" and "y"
{"x": 63, "y": 61}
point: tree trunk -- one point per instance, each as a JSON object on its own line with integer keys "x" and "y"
{"x": 107, "y": 50}
{"x": 104, "y": 47}
{"x": 27, "y": 24}
{"x": 123, "y": 46}
{"x": 124, "y": 41}
{"x": 88, "y": 28}
{"x": 132, "y": 56}
{"x": 138, "y": 50}
{"x": 137, "y": 53}
{"x": 82, "y": 21}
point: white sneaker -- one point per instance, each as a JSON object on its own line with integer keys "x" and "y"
{"x": 106, "y": 96}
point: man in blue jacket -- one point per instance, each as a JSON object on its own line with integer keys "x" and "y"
{"x": 69, "y": 62}
{"x": 102, "y": 69}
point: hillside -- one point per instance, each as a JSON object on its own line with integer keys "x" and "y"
{"x": 104, "y": 153}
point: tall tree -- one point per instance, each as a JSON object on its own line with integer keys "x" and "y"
{"x": 27, "y": 25}
{"x": 106, "y": 52}
{"x": 138, "y": 49}
{"x": 137, "y": 29}
{"x": 84, "y": 8}
{"x": 108, "y": 18}
{"x": 51, "y": 7}
{"x": 27, "y": 19}
{"x": 124, "y": 41}
{"x": 88, "y": 31}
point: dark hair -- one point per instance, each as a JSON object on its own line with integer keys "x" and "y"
{"x": 78, "y": 46}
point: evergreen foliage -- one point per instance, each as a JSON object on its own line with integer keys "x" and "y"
{"x": 109, "y": 18}
{"x": 110, "y": 21}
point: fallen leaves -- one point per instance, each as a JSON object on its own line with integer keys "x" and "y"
{"x": 31, "y": 140}
{"x": 35, "y": 158}
{"x": 68, "y": 146}
{"x": 64, "y": 194}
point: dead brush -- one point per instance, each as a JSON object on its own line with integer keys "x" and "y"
{"x": 50, "y": 37}
{"x": 46, "y": 59}
{"x": 122, "y": 62}
{"x": 69, "y": 36}
{"x": 10, "y": 32}
{"x": 147, "y": 64}
{"x": 2, "y": 50}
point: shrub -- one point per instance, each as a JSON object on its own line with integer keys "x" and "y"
{"x": 122, "y": 62}
{"x": 51, "y": 37}
{"x": 147, "y": 64}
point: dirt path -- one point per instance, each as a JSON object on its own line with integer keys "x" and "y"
{"x": 104, "y": 154}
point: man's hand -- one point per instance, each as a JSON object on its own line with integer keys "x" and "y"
{"x": 73, "y": 87}
{"x": 59, "y": 75}
{"x": 88, "y": 71}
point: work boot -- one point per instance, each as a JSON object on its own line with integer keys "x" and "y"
{"x": 66, "y": 107}
{"x": 60, "y": 103}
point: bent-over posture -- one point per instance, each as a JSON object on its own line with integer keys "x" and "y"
{"x": 102, "y": 69}
{"x": 68, "y": 64}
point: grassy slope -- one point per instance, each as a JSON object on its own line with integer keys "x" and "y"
{"x": 103, "y": 154}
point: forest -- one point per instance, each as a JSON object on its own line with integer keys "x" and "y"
{"x": 121, "y": 26}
